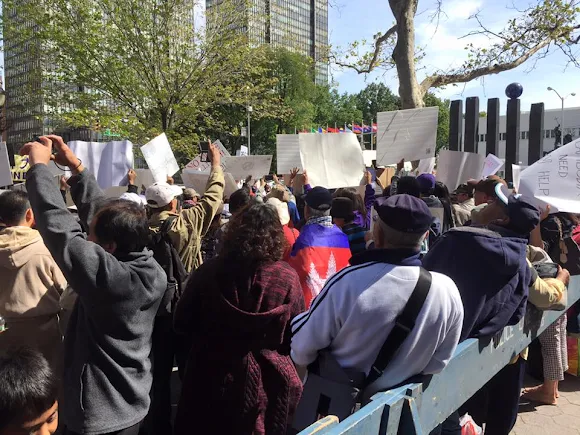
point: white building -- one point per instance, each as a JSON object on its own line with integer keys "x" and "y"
{"x": 552, "y": 118}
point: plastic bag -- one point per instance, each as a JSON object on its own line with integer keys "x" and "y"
{"x": 468, "y": 426}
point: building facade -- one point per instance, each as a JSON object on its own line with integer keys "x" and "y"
{"x": 552, "y": 119}
{"x": 297, "y": 25}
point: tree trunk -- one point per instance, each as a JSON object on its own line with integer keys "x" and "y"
{"x": 404, "y": 53}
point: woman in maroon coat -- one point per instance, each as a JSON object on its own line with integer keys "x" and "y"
{"x": 236, "y": 312}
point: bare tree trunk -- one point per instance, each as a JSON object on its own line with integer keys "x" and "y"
{"x": 404, "y": 53}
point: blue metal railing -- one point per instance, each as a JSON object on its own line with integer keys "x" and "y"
{"x": 419, "y": 408}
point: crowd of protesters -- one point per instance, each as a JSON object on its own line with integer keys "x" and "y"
{"x": 245, "y": 295}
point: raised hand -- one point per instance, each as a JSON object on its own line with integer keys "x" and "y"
{"x": 64, "y": 155}
{"x": 132, "y": 176}
{"x": 214, "y": 155}
{"x": 38, "y": 152}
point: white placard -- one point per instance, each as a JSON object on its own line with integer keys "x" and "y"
{"x": 241, "y": 167}
{"x": 491, "y": 165}
{"x": 369, "y": 156}
{"x": 406, "y": 134}
{"x": 198, "y": 181}
{"x": 288, "y": 153}
{"x": 243, "y": 151}
{"x": 109, "y": 162}
{"x": 160, "y": 158}
{"x": 554, "y": 179}
{"x": 332, "y": 160}
{"x": 5, "y": 174}
{"x": 516, "y": 174}
{"x": 457, "y": 167}
{"x": 144, "y": 178}
{"x": 198, "y": 165}
{"x": 426, "y": 166}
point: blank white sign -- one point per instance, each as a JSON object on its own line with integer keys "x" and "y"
{"x": 288, "y": 153}
{"x": 5, "y": 174}
{"x": 406, "y": 134}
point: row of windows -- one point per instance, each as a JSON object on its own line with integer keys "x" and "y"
{"x": 525, "y": 135}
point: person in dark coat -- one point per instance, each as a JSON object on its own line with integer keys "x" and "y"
{"x": 236, "y": 313}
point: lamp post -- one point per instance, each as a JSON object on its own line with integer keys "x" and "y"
{"x": 562, "y": 99}
{"x": 250, "y": 109}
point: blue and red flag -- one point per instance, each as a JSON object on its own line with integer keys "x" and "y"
{"x": 319, "y": 252}
{"x": 357, "y": 129}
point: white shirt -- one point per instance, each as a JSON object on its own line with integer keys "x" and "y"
{"x": 356, "y": 311}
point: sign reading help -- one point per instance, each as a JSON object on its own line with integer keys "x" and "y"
{"x": 160, "y": 158}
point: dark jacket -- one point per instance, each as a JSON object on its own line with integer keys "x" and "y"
{"x": 107, "y": 374}
{"x": 492, "y": 275}
{"x": 239, "y": 378}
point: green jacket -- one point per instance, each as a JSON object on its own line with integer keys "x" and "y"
{"x": 191, "y": 225}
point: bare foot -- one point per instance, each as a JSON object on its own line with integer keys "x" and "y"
{"x": 538, "y": 394}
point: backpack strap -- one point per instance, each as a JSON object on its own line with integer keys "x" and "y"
{"x": 403, "y": 327}
{"x": 166, "y": 226}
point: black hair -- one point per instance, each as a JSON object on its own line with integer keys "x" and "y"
{"x": 124, "y": 223}
{"x": 410, "y": 186}
{"x": 28, "y": 386}
{"x": 13, "y": 206}
{"x": 442, "y": 192}
{"x": 239, "y": 199}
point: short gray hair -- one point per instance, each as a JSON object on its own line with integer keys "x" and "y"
{"x": 398, "y": 239}
{"x": 313, "y": 213}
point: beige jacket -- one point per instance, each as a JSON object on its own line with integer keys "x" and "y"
{"x": 30, "y": 281}
{"x": 192, "y": 224}
{"x": 463, "y": 211}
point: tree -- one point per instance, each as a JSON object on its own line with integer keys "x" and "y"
{"x": 140, "y": 67}
{"x": 375, "y": 98}
{"x": 538, "y": 30}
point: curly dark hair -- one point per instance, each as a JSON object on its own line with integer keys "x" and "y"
{"x": 254, "y": 236}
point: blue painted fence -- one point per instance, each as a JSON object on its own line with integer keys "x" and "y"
{"x": 418, "y": 409}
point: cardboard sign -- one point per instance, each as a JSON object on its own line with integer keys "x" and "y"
{"x": 554, "y": 179}
{"x": 457, "y": 167}
{"x": 332, "y": 160}
{"x": 5, "y": 169}
{"x": 288, "y": 153}
{"x": 491, "y": 165}
{"x": 242, "y": 167}
{"x": 198, "y": 165}
{"x": 109, "y": 162}
{"x": 160, "y": 158}
{"x": 406, "y": 134}
{"x": 198, "y": 181}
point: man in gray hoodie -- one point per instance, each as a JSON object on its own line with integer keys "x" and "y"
{"x": 107, "y": 374}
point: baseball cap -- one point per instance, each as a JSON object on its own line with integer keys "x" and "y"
{"x": 523, "y": 215}
{"x": 426, "y": 182}
{"x": 190, "y": 193}
{"x": 404, "y": 213}
{"x": 160, "y": 194}
{"x": 319, "y": 198}
{"x": 281, "y": 208}
{"x": 342, "y": 208}
{"x": 465, "y": 189}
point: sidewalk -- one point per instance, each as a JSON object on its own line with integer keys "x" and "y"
{"x": 563, "y": 419}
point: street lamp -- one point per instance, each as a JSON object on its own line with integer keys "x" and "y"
{"x": 561, "y": 98}
{"x": 250, "y": 109}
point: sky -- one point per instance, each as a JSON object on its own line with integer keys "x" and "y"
{"x": 351, "y": 20}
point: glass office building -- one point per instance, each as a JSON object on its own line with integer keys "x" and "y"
{"x": 298, "y": 25}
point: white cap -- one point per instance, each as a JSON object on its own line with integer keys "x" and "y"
{"x": 133, "y": 197}
{"x": 282, "y": 209}
{"x": 160, "y": 194}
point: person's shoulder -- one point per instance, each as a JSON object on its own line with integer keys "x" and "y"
{"x": 445, "y": 286}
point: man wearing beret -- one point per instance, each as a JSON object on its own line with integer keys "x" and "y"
{"x": 358, "y": 307}
{"x": 322, "y": 249}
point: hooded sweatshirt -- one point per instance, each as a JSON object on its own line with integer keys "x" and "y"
{"x": 491, "y": 273}
{"x": 239, "y": 377}
{"x": 31, "y": 281}
{"x": 107, "y": 376}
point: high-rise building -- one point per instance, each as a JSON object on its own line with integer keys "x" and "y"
{"x": 297, "y": 25}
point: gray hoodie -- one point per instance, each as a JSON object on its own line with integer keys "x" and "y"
{"x": 107, "y": 374}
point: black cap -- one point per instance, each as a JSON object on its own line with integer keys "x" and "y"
{"x": 319, "y": 198}
{"x": 404, "y": 213}
{"x": 342, "y": 208}
{"x": 523, "y": 214}
{"x": 465, "y": 189}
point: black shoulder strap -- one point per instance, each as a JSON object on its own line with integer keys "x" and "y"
{"x": 403, "y": 327}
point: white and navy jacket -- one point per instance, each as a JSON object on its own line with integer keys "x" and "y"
{"x": 356, "y": 311}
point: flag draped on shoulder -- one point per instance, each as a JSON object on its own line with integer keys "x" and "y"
{"x": 319, "y": 252}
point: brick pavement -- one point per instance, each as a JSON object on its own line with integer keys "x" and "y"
{"x": 563, "y": 419}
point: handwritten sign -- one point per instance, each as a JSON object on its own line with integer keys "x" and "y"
{"x": 241, "y": 167}
{"x": 21, "y": 167}
{"x": 197, "y": 165}
{"x": 406, "y": 134}
{"x": 457, "y": 167}
{"x": 491, "y": 165}
{"x": 5, "y": 170}
{"x": 555, "y": 179}
{"x": 160, "y": 158}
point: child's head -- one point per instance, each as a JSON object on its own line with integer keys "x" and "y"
{"x": 28, "y": 398}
